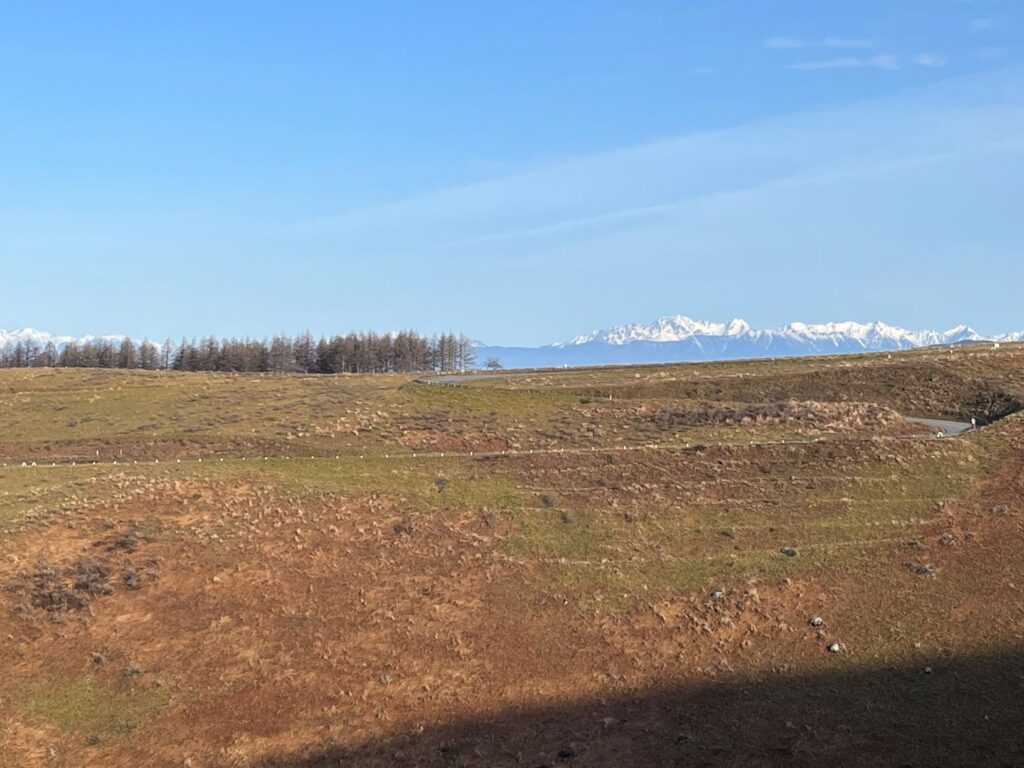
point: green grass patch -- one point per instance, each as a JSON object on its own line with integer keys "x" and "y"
{"x": 79, "y": 405}
{"x": 92, "y": 708}
{"x": 623, "y": 585}
{"x": 484, "y": 399}
{"x": 551, "y": 533}
{"x": 28, "y": 493}
{"x": 425, "y": 483}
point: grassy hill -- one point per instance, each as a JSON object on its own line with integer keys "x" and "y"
{"x": 589, "y": 567}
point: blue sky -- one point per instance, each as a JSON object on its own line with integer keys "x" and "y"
{"x": 523, "y": 172}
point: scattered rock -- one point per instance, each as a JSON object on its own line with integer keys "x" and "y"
{"x": 999, "y": 509}
{"x": 817, "y": 621}
{"x": 132, "y": 671}
{"x": 927, "y": 570}
{"x": 834, "y": 648}
{"x": 566, "y": 754}
{"x": 788, "y": 551}
{"x": 128, "y": 541}
{"x": 132, "y": 579}
{"x": 91, "y": 577}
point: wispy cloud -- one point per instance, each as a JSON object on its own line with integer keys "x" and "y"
{"x": 882, "y": 61}
{"x": 593, "y": 196}
{"x": 783, "y": 43}
{"x": 981, "y": 25}
{"x": 848, "y": 42}
{"x": 848, "y": 172}
{"x": 702, "y": 71}
{"x": 930, "y": 60}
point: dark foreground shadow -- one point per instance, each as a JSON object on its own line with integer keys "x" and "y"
{"x": 966, "y": 712}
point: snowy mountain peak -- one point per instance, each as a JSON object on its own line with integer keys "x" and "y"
{"x": 10, "y": 339}
{"x": 737, "y": 327}
{"x": 963, "y": 332}
{"x": 668, "y": 328}
{"x": 25, "y": 336}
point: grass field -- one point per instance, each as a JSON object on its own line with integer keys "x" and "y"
{"x": 586, "y": 567}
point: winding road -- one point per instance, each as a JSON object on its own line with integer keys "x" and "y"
{"x": 941, "y": 425}
{"x": 948, "y": 428}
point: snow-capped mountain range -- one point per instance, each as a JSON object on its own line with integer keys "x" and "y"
{"x": 869, "y": 335}
{"x": 10, "y": 339}
{"x": 677, "y": 338}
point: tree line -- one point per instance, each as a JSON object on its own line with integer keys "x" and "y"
{"x": 403, "y": 352}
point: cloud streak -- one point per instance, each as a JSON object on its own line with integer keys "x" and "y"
{"x": 594, "y": 195}
{"x": 881, "y": 61}
{"x": 930, "y": 60}
{"x": 827, "y": 175}
{"x": 784, "y": 43}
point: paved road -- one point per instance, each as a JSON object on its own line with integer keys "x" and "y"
{"x": 948, "y": 427}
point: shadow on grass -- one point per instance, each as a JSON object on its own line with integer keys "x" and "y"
{"x": 966, "y": 712}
